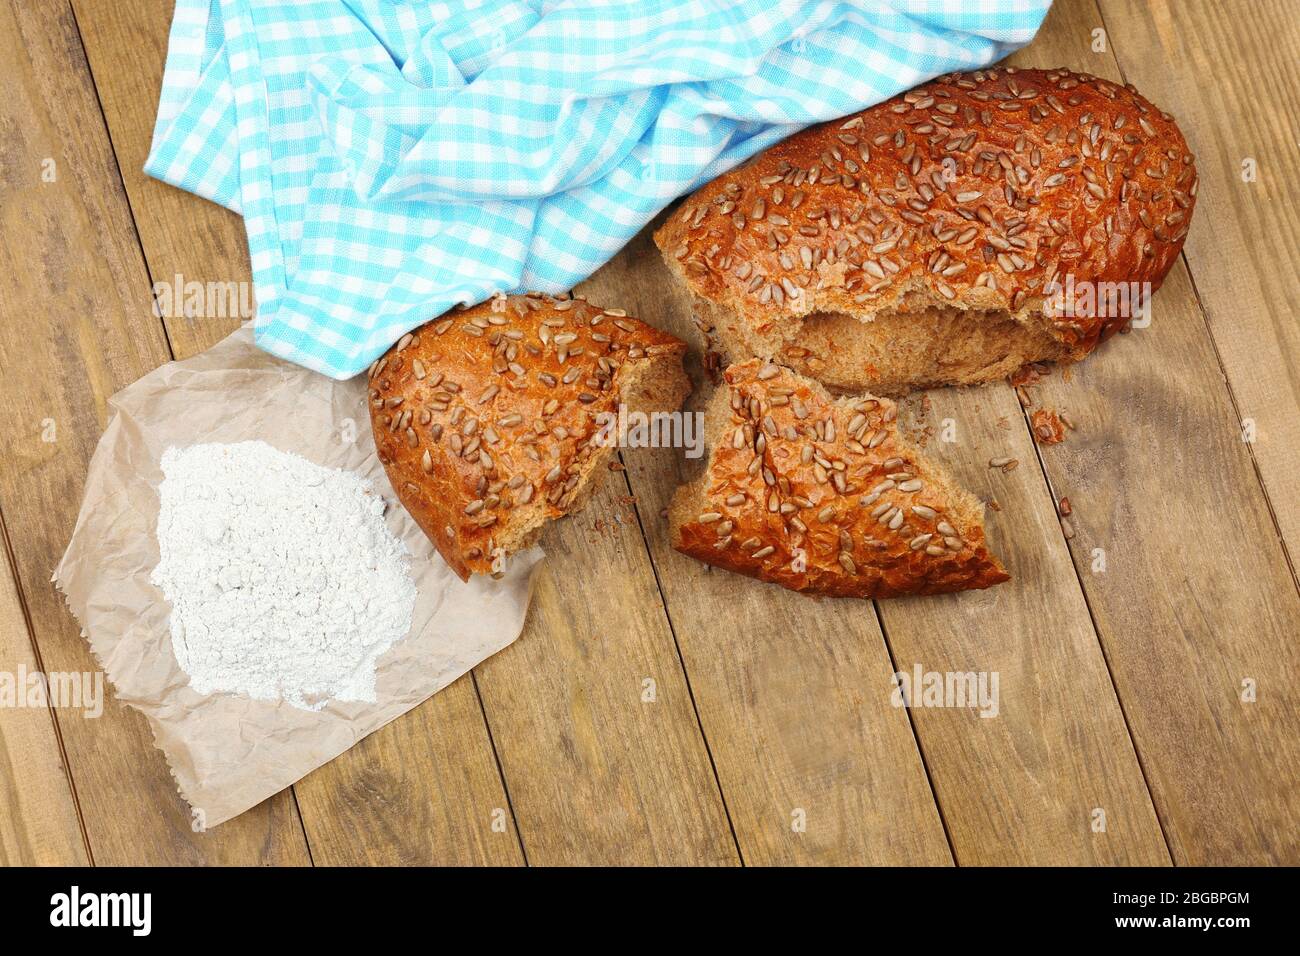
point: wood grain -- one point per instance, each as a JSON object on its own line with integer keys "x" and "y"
{"x": 38, "y": 813}
{"x": 1057, "y": 750}
{"x": 423, "y": 791}
{"x": 1245, "y": 263}
{"x": 75, "y": 296}
{"x": 1188, "y": 585}
{"x": 1175, "y": 546}
{"x": 598, "y": 772}
{"x": 792, "y": 692}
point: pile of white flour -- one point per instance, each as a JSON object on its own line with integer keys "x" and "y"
{"x": 284, "y": 581}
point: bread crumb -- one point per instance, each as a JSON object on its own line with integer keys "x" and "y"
{"x": 1029, "y": 374}
{"x": 1048, "y": 427}
{"x": 713, "y": 363}
{"x": 919, "y": 429}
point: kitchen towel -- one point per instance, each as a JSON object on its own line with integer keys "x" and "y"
{"x": 393, "y": 158}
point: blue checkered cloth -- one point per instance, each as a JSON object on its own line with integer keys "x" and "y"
{"x": 392, "y": 158}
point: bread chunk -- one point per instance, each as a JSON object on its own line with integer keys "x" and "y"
{"x": 825, "y": 496}
{"x": 489, "y": 420}
{"x": 944, "y": 237}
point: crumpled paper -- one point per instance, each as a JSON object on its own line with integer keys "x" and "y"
{"x": 228, "y": 752}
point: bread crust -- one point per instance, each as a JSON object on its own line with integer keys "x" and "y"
{"x": 487, "y": 420}
{"x": 974, "y": 191}
{"x": 826, "y": 496}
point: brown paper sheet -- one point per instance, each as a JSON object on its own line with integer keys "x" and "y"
{"x": 228, "y": 752}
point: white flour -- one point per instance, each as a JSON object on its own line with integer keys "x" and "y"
{"x": 284, "y": 581}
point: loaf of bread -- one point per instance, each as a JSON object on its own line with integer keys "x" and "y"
{"x": 825, "y": 496}
{"x": 490, "y": 420}
{"x": 947, "y": 236}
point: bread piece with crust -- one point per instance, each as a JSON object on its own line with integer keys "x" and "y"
{"x": 825, "y": 496}
{"x": 488, "y": 420}
{"x": 911, "y": 245}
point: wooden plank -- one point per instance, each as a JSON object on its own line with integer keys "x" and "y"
{"x": 38, "y": 812}
{"x": 75, "y": 296}
{"x": 1188, "y": 585}
{"x": 180, "y": 234}
{"x": 792, "y": 692}
{"x": 1245, "y": 266}
{"x": 423, "y": 789}
{"x": 1057, "y": 750}
{"x": 1176, "y": 548}
{"x": 598, "y": 772}
{"x": 1060, "y": 750}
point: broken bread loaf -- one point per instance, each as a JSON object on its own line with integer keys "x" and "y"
{"x": 824, "y": 495}
{"x": 947, "y": 236}
{"x": 491, "y": 421}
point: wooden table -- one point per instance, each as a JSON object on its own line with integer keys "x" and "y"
{"x": 654, "y": 711}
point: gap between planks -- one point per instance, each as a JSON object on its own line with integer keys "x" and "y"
{"x": 916, "y": 738}
{"x": 501, "y": 771}
{"x": 1087, "y": 601}
{"x": 121, "y": 180}
{"x": 20, "y": 596}
{"x": 686, "y": 675}
{"x": 1027, "y": 420}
